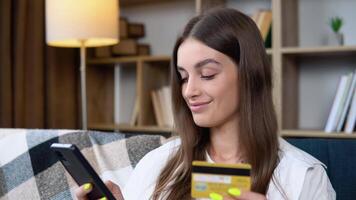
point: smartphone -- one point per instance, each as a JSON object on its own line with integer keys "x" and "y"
{"x": 80, "y": 169}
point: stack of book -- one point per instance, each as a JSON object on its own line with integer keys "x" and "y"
{"x": 128, "y": 45}
{"x": 342, "y": 116}
{"x": 263, "y": 20}
{"x": 162, "y": 105}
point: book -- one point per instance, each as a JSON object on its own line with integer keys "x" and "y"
{"x": 268, "y": 40}
{"x": 332, "y": 119}
{"x": 163, "y": 105}
{"x": 264, "y": 23}
{"x": 123, "y": 28}
{"x": 130, "y": 47}
{"x": 125, "y": 47}
{"x": 350, "y": 87}
{"x": 157, "y": 108}
{"x": 351, "y": 117}
{"x": 263, "y": 20}
{"x": 166, "y": 91}
{"x": 143, "y": 49}
{"x": 134, "y": 115}
{"x": 103, "y": 52}
{"x": 136, "y": 30}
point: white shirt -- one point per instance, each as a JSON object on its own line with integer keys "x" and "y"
{"x": 299, "y": 175}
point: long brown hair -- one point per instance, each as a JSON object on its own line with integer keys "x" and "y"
{"x": 235, "y": 35}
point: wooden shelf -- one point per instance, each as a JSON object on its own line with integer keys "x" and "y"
{"x": 126, "y": 3}
{"x": 135, "y": 59}
{"x": 129, "y": 59}
{"x": 129, "y": 128}
{"x": 156, "y": 129}
{"x": 285, "y": 57}
{"x": 316, "y": 134}
{"x": 316, "y": 51}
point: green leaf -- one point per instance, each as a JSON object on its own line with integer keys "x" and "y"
{"x": 336, "y": 23}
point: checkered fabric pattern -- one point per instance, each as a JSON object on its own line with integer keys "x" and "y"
{"x": 30, "y": 170}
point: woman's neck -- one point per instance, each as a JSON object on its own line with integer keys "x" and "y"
{"x": 224, "y": 143}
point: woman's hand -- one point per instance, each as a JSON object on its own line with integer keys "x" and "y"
{"x": 82, "y": 191}
{"x": 247, "y": 196}
{"x": 236, "y": 194}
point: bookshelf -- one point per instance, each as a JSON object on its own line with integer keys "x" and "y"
{"x": 303, "y": 62}
{"x": 315, "y": 134}
{"x": 131, "y": 59}
{"x": 151, "y": 72}
{"x": 319, "y": 51}
{"x": 288, "y": 56}
{"x": 129, "y": 128}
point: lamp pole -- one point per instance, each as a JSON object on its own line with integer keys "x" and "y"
{"x": 83, "y": 84}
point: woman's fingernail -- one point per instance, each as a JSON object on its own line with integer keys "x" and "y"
{"x": 234, "y": 192}
{"x": 215, "y": 196}
{"x": 103, "y": 198}
{"x": 87, "y": 186}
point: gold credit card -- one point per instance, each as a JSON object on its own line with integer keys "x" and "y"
{"x": 218, "y": 178}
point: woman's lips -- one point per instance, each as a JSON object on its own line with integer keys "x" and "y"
{"x": 198, "y": 107}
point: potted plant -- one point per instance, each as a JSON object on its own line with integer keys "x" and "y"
{"x": 336, "y": 24}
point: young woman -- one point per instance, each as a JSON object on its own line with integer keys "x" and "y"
{"x": 223, "y": 111}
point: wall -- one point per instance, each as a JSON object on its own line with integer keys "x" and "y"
{"x": 163, "y": 22}
{"x": 318, "y": 77}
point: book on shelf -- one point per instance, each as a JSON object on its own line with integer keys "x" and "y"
{"x": 340, "y": 104}
{"x": 128, "y": 44}
{"x": 162, "y": 106}
{"x": 144, "y": 50}
{"x": 125, "y": 47}
{"x": 351, "y": 117}
{"x": 123, "y": 27}
{"x": 157, "y": 108}
{"x": 134, "y": 115}
{"x": 166, "y": 91}
{"x": 136, "y": 30}
{"x": 350, "y": 88}
{"x": 263, "y": 20}
{"x": 330, "y": 124}
{"x": 131, "y": 30}
{"x": 102, "y": 52}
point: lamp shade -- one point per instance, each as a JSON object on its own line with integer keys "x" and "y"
{"x": 69, "y": 22}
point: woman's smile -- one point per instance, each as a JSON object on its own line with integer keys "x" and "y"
{"x": 198, "y": 107}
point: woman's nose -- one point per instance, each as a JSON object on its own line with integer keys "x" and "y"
{"x": 191, "y": 89}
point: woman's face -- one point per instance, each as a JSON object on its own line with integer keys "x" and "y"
{"x": 209, "y": 83}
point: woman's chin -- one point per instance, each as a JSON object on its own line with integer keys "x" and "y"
{"x": 204, "y": 122}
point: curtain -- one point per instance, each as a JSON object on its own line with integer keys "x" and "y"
{"x": 38, "y": 84}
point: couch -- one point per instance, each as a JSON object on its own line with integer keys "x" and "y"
{"x": 339, "y": 155}
{"x": 28, "y": 170}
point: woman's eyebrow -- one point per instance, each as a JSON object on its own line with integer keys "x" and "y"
{"x": 200, "y": 64}
{"x": 204, "y": 62}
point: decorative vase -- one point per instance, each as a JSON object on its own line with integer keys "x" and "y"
{"x": 336, "y": 39}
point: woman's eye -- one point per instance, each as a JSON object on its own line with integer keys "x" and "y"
{"x": 208, "y": 77}
{"x": 183, "y": 80}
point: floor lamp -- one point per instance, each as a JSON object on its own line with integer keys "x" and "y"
{"x": 82, "y": 23}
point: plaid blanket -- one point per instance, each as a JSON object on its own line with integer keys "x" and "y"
{"x": 29, "y": 169}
